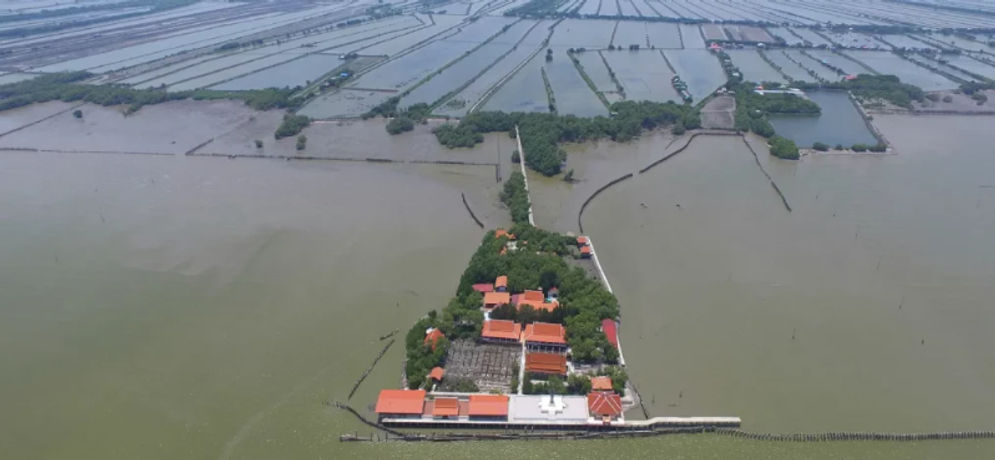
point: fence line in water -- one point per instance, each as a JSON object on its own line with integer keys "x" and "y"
{"x": 370, "y": 369}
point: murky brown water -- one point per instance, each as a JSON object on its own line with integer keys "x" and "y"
{"x": 163, "y": 307}
{"x": 158, "y": 307}
{"x": 867, "y": 308}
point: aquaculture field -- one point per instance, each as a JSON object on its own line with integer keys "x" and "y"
{"x": 524, "y": 92}
{"x": 700, "y": 69}
{"x": 787, "y": 66}
{"x": 644, "y": 75}
{"x": 753, "y": 67}
{"x": 892, "y": 64}
{"x": 573, "y": 95}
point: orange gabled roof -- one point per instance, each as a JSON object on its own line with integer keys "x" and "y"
{"x": 445, "y": 407}
{"x": 400, "y": 401}
{"x": 604, "y": 403}
{"x": 488, "y": 405}
{"x": 496, "y": 298}
{"x": 501, "y": 281}
{"x": 532, "y": 295}
{"x": 582, "y": 240}
{"x": 538, "y": 304}
{"x": 550, "y": 363}
{"x": 585, "y": 250}
{"x": 602, "y": 383}
{"x": 432, "y": 337}
{"x": 437, "y": 373}
{"x": 501, "y": 329}
{"x": 546, "y": 333}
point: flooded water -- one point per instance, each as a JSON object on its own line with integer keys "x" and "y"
{"x": 164, "y": 307}
{"x": 168, "y": 306}
{"x": 839, "y": 123}
{"x": 867, "y": 308}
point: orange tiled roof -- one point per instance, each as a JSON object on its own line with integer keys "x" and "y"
{"x": 501, "y": 281}
{"x": 445, "y": 407}
{"x": 437, "y": 373}
{"x": 502, "y": 232}
{"x": 483, "y": 287}
{"x": 546, "y": 333}
{"x": 604, "y": 403}
{"x": 582, "y": 240}
{"x": 501, "y": 329}
{"x": 496, "y": 298}
{"x": 532, "y": 295}
{"x": 602, "y": 383}
{"x": 538, "y": 304}
{"x": 433, "y": 337}
{"x": 488, "y": 405}
{"x": 549, "y": 363}
{"x": 400, "y": 401}
{"x": 585, "y": 250}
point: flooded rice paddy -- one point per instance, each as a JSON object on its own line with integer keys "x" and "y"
{"x": 643, "y": 74}
{"x": 699, "y": 69}
{"x": 753, "y": 67}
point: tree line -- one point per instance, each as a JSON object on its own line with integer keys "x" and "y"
{"x": 516, "y": 197}
{"x": 70, "y": 87}
{"x": 543, "y": 132}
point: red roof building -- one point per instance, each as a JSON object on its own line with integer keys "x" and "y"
{"x": 488, "y": 406}
{"x": 483, "y": 287}
{"x": 501, "y": 283}
{"x": 585, "y": 251}
{"x": 400, "y": 402}
{"x": 601, "y": 383}
{"x": 432, "y": 337}
{"x": 611, "y": 331}
{"x": 437, "y": 373}
{"x": 445, "y": 407}
{"x": 605, "y": 404}
{"x": 493, "y": 299}
{"x": 536, "y": 299}
{"x": 545, "y": 334}
{"x": 582, "y": 241}
{"x": 501, "y": 330}
{"x": 546, "y": 363}
{"x": 532, "y": 295}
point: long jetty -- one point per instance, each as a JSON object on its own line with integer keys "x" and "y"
{"x": 521, "y": 162}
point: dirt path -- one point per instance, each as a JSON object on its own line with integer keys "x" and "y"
{"x": 718, "y": 113}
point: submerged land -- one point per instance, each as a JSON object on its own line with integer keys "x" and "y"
{"x": 217, "y": 217}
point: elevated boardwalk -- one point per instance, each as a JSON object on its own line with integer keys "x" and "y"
{"x": 634, "y": 425}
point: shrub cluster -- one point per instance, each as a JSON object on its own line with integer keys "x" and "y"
{"x": 516, "y": 197}
{"x": 783, "y": 148}
{"x": 543, "y": 132}
{"x": 291, "y": 125}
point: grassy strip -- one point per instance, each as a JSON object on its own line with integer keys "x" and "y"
{"x": 776, "y": 67}
{"x": 541, "y": 133}
{"x": 69, "y": 87}
{"x": 490, "y": 93}
{"x": 389, "y": 108}
{"x": 611, "y": 73}
{"x": 550, "y": 97}
{"x": 587, "y": 79}
{"x": 810, "y": 71}
{"x": 516, "y": 198}
{"x": 866, "y": 67}
{"x": 483, "y": 71}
